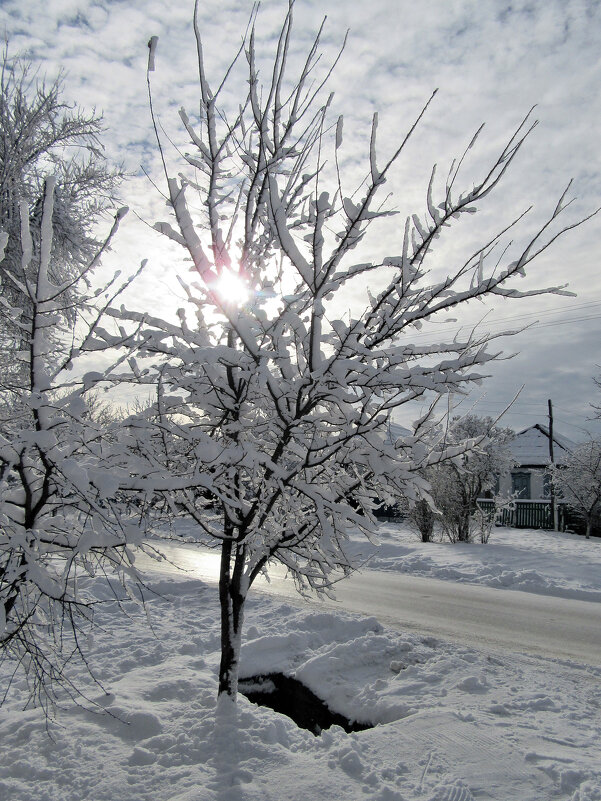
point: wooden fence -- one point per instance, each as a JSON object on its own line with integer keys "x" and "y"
{"x": 525, "y": 514}
{"x": 534, "y": 514}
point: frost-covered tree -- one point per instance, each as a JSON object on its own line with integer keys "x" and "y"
{"x": 42, "y": 134}
{"x": 578, "y": 480}
{"x": 274, "y": 394}
{"x": 61, "y": 529}
{"x": 458, "y": 483}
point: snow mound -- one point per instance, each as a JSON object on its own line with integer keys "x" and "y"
{"x": 543, "y": 562}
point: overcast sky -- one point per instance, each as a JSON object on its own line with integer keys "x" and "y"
{"x": 491, "y": 61}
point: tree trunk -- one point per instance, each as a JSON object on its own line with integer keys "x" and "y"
{"x": 463, "y": 527}
{"x": 589, "y": 522}
{"x": 231, "y": 601}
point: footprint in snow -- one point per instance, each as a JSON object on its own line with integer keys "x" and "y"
{"x": 456, "y": 791}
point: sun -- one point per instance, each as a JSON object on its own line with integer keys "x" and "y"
{"x": 232, "y": 289}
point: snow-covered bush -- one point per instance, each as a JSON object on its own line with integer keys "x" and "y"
{"x": 421, "y": 518}
{"x": 486, "y": 516}
{"x": 278, "y": 399}
{"x": 458, "y": 483}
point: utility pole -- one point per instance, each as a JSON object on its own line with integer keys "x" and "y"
{"x": 554, "y": 515}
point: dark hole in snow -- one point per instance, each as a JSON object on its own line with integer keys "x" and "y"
{"x": 290, "y": 697}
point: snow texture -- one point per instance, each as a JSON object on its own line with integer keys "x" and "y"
{"x": 452, "y": 723}
{"x": 544, "y": 562}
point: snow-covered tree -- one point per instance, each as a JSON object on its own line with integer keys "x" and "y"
{"x": 578, "y": 480}
{"x": 41, "y": 135}
{"x": 274, "y": 394}
{"x": 458, "y": 483}
{"x": 60, "y": 527}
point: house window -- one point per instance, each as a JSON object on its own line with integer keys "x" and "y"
{"x": 520, "y": 485}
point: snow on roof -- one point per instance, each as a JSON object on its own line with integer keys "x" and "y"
{"x": 530, "y": 448}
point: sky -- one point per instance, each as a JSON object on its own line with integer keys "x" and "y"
{"x": 491, "y": 62}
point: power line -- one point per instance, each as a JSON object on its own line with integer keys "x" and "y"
{"x": 516, "y": 318}
{"x": 568, "y": 321}
{"x": 493, "y": 407}
{"x": 573, "y": 425}
{"x": 485, "y": 402}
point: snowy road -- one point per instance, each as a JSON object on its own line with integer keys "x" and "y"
{"x": 463, "y": 613}
{"x": 479, "y": 616}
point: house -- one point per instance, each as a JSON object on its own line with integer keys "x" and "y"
{"x": 530, "y": 478}
{"x": 529, "y": 482}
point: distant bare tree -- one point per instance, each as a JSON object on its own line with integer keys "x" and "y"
{"x": 597, "y": 406}
{"x": 578, "y": 480}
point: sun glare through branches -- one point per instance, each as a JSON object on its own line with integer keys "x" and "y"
{"x": 232, "y": 288}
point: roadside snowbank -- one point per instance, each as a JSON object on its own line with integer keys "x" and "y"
{"x": 544, "y": 562}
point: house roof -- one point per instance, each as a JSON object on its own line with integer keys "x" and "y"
{"x": 530, "y": 448}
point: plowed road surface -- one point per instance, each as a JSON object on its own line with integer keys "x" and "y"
{"x": 462, "y": 613}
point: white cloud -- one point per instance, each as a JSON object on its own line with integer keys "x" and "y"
{"x": 491, "y": 61}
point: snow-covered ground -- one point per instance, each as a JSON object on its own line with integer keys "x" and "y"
{"x": 452, "y": 723}
{"x": 543, "y": 562}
